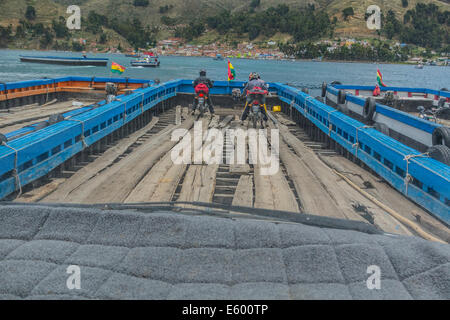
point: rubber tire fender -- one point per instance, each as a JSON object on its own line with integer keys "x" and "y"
{"x": 441, "y": 102}
{"x": 441, "y": 136}
{"x": 305, "y": 90}
{"x": 369, "y": 109}
{"x": 440, "y": 153}
{"x": 3, "y": 139}
{"x": 319, "y": 98}
{"x": 324, "y": 89}
{"x": 343, "y": 108}
{"x": 341, "y": 96}
{"x": 383, "y": 128}
{"x": 55, "y": 118}
{"x": 336, "y": 82}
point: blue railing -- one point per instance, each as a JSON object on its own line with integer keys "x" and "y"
{"x": 34, "y": 155}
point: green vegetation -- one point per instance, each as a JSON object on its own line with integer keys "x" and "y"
{"x": 141, "y": 3}
{"x": 380, "y": 51}
{"x": 136, "y": 34}
{"x": 255, "y": 3}
{"x": 347, "y": 12}
{"x": 425, "y": 26}
{"x": 300, "y": 24}
{"x": 297, "y": 26}
{"x": 165, "y": 9}
{"x": 30, "y": 14}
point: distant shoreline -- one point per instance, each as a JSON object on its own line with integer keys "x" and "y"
{"x": 225, "y": 58}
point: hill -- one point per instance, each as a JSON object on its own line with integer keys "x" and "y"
{"x": 166, "y": 13}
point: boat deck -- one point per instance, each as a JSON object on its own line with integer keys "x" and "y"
{"x": 312, "y": 178}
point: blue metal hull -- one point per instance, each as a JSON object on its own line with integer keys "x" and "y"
{"x": 423, "y": 180}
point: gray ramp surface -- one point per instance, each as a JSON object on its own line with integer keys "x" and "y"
{"x": 165, "y": 255}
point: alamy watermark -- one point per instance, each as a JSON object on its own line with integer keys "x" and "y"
{"x": 74, "y": 21}
{"x": 374, "y": 18}
{"x": 208, "y": 147}
{"x": 74, "y": 280}
{"x": 374, "y": 280}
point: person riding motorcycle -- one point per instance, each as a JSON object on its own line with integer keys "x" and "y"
{"x": 203, "y": 84}
{"x": 255, "y": 83}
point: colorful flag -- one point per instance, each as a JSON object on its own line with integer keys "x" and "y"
{"x": 231, "y": 72}
{"x": 380, "y": 79}
{"x": 117, "y": 68}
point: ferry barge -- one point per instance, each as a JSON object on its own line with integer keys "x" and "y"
{"x": 395, "y": 113}
{"x": 319, "y": 146}
{"x": 70, "y": 61}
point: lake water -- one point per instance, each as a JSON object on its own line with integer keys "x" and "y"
{"x": 299, "y": 73}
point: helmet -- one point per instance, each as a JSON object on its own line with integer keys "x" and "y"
{"x": 253, "y": 76}
{"x": 203, "y": 72}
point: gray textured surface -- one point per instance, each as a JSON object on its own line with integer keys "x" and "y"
{"x": 128, "y": 255}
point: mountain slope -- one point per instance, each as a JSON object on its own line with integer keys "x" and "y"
{"x": 188, "y": 10}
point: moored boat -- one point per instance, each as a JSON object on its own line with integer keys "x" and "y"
{"x": 148, "y": 62}
{"x": 71, "y": 61}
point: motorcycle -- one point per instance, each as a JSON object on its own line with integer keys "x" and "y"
{"x": 255, "y": 114}
{"x": 201, "y": 98}
{"x": 201, "y": 103}
{"x": 433, "y": 113}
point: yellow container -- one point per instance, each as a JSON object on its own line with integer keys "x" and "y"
{"x": 276, "y": 109}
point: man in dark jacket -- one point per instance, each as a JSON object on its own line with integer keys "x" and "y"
{"x": 203, "y": 80}
{"x": 254, "y": 83}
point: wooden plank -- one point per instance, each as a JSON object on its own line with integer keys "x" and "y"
{"x": 244, "y": 192}
{"x": 199, "y": 183}
{"x": 116, "y": 184}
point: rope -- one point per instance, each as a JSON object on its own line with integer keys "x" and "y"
{"x": 15, "y": 171}
{"x": 408, "y": 177}
{"x": 82, "y": 131}
{"x": 389, "y": 210}
{"x": 356, "y": 144}
{"x": 330, "y": 126}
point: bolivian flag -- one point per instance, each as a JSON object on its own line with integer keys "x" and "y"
{"x": 380, "y": 79}
{"x": 231, "y": 72}
{"x": 117, "y": 68}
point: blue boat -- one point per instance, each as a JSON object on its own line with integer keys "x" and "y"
{"x": 70, "y": 61}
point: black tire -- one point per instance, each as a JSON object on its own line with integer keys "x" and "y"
{"x": 336, "y": 82}
{"x": 381, "y": 127}
{"x": 343, "y": 108}
{"x": 321, "y": 99}
{"x": 254, "y": 122}
{"x": 440, "y": 153}
{"x": 444, "y": 89}
{"x": 41, "y": 125}
{"x": 369, "y": 109}
{"x": 55, "y": 118}
{"x": 3, "y": 139}
{"x": 324, "y": 89}
{"x": 441, "y": 136}
{"x": 341, "y": 96}
{"x": 441, "y": 102}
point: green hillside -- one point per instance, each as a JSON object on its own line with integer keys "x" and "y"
{"x": 128, "y": 23}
